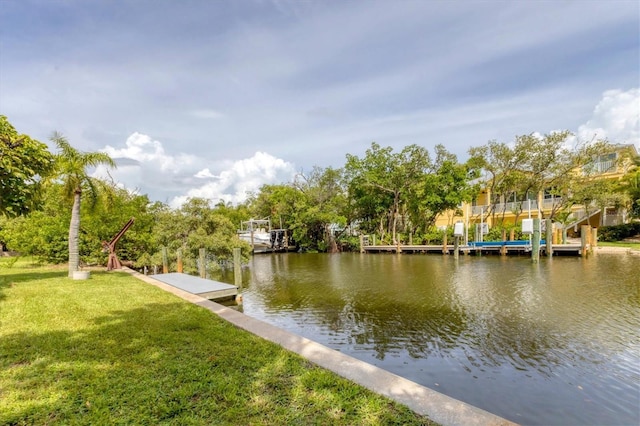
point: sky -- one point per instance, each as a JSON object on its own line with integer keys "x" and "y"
{"x": 214, "y": 98}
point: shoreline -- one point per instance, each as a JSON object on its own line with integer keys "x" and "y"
{"x": 438, "y": 407}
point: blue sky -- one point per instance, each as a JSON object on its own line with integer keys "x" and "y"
{"x": 214, "y": 98}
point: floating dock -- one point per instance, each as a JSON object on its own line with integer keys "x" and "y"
{"x": 209, "y": 289}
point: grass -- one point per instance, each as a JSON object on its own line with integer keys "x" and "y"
{"x": 114, "y": 350}
{"x": 622, "y": 244}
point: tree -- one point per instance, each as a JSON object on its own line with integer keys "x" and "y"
{"x": 380, "y": 182}
{"x": 533, "y": 164}
{"x": 630, "y": 184}
{"x": 196, "y": 225}
{"x": 324, "y": 207}
{"x": 44, "y": 233}
{"x": 23, "y": 164}
{"x": 443, "y": 188}
{"x": 71, "y": 167}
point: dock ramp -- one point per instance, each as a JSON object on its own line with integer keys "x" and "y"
{"x": 209, "y": 289}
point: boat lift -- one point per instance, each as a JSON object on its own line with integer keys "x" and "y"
{"x": 114, "y": 262}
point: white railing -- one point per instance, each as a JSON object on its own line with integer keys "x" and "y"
{"x": 602, "y": 166}
{"x": 522, "y": 206}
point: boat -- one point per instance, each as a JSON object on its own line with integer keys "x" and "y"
{"x": 263, "y": 239}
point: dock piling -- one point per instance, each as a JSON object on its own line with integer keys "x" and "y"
{"x": 584, "y": 237}
{"x": 202, "y": 265}
{"x": 165, "y": 261}
{"x": 549, "y": 238}
{"x": 456, "y": 248}
{"x": 179, "y": 266}
{"x": 237, "y": 266}
{"x": 535, "y": 241}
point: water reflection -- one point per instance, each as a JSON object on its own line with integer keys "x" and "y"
{"x": 551, "y": 343}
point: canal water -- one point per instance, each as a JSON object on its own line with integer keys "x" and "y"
{"x": 540, "y": 344}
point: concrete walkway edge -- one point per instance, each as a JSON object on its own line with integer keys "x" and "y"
{"x": 422, "y": 400}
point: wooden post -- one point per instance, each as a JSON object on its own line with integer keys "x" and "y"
{"x": 237, "y": 266}
{"x": 535, "y": 241}
{"x": 165, "y": 261}
{"x": 503, "y": 249}
{"x": 549, "y": 238}
{"x": 456, "y": 249}
{"x": 564, "y": 235}
{"x": 374, "y": 239}
{"x": 361, "y": 243}
{"x": 584, "y": 237}
{"x": 179, "y": 260}
{"x": 594, "y": 238}
{"x": 202, "y": 267}
{"x": 512, "y": 235}
{"x": 445, "y": 250}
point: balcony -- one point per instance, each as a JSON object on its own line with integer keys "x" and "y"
{"x": 522, "y": 206}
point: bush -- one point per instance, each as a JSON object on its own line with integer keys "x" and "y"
{"x": 618, "y": 232}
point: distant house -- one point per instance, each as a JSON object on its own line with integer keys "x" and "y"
{"x": 488, "y": 209}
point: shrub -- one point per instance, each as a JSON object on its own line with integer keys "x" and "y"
{"x": 618, "y": 232}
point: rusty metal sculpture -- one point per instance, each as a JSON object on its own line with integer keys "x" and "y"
{"x": 114, "y": 262}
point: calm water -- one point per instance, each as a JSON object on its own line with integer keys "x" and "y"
{"x": 553, "y": 343}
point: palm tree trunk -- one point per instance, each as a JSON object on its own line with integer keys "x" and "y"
{"x": 74, "y": 234}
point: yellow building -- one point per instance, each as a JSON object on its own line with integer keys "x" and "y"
{"x": 483, "y": 213}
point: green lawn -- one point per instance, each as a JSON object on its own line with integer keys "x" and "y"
{"x": 114, "y": 350}
{"x": 622, "y": 244}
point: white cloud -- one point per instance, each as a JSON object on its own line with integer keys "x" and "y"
{"x": 205, "y": 173}
{"x": 616, "y": 118}
{"x": 146, "y": 167}
{"x": 244, "y": 176}
{"x": 142, "y": 148}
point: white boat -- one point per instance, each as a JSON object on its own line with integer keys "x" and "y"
{"x": 263, "y": 239}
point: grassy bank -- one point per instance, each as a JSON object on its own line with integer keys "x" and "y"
{"x": 114, "y": 350}
{"x": 621, "y": 244}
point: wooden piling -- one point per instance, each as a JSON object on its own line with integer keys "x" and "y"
{"x": 202, "y": 268}
{"x": 535, "y": 241}
{"x": 456, "y": 249}
{"x": 594, "y": 238}
{"x": 361, "y": 243}
{"x": 237, "y": 266}
{"x": 445, "y": 250}
{"x": 165, "y": 261}
{"x": 584, "y": 238}
{"x": 503, "y": 249}
{"x": 549, "y": 238}
{"x": 512, "y": 235}
{"x": 179, "y": 266}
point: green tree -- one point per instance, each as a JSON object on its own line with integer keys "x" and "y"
{"x": 71, "y": 167}
{"x": 533, "y": 164}
{"x": 194, "y": 226}
{"x": 443, "y": 188}
{"x": 380, "y": 182}
{"x": 630, "y": 184}
{"x": 323, "y": 208}
{"x": 23, "y": 164}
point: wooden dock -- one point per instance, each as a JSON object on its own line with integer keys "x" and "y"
{"x": 209, "y": 289}
{"x": 492, "y": 247}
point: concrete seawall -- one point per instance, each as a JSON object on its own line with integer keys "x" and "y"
{"x": 422, "y": 400}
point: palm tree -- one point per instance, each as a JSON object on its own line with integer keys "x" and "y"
{"x": 71, "y": 167}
